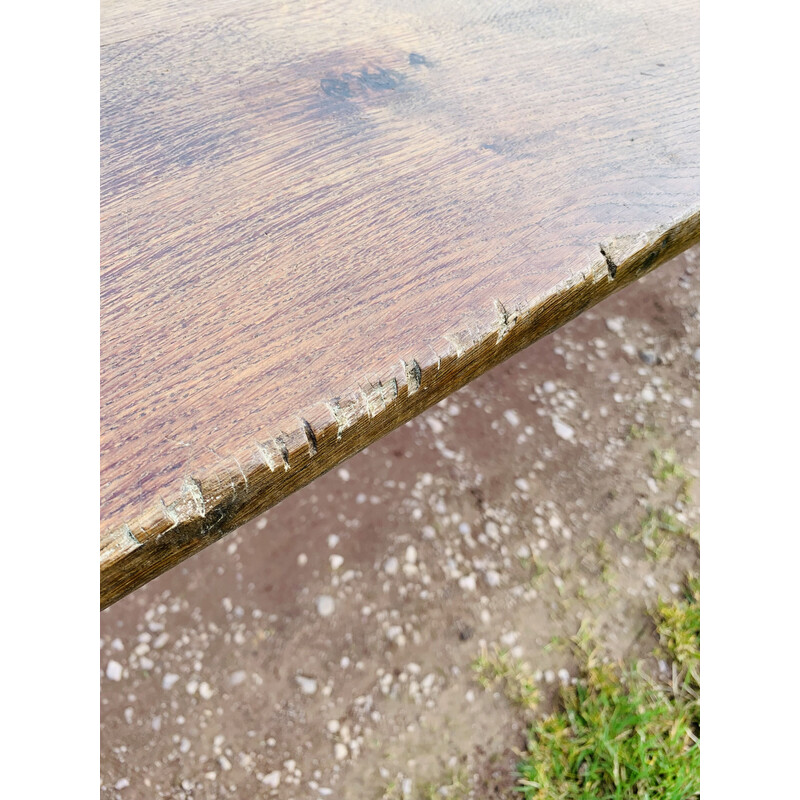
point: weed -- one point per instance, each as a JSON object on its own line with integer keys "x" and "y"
{"x": 642, "y": 432}
{"x": 618, "y": 733}
{"x": 454, "y": 785}
{"x": 666, "y": 467}
{"x": 499, "y": 668}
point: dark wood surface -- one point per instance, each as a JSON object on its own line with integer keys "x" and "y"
{"x": 317, "y": 219}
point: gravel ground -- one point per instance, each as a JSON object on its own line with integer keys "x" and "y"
{"x": 324, "y": 649}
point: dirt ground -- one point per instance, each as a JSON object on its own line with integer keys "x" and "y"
{"x": 325, "y": 649}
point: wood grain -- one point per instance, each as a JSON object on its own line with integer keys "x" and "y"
{"x": 317, "y": 219}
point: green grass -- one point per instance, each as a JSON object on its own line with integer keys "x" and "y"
{"x": 499, "y": 669}
{"x": 666, "y": 468}
{"x": 619, "y": 733}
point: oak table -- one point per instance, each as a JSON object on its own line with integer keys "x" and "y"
{"x": 320, "y": 218}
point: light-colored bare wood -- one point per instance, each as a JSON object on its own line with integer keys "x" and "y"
{"x": 318, "y": 218}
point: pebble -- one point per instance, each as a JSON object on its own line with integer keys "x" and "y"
{"x": 648, "y": 357}
{"x": 614, "y": 324}
{"x": 325, "y": 605}
{"x": 240, "y": 676}
{"x": 122, "y": 783}
{"x": 492, "y": 577}
{"x": 340, "y": 751}
{"x": 468, "y": 583}
{"x": 512, "y": 418}
{"x": 563, "y": 430}
{"x": 117, "y": 645}
{"x": 428, "y": 532}
{"x": 333, "y": 726}
{"x": 146, "y": 663}
{"x": 391, "y": 565}
{"x": 161, "y": 640}
{"x": 648, "y": 395}
{"x": 649, "y": 581}
{"x": 522, "y": 484}
{"x": 394, "y": 633}
{"x": 411, "y": 554}
{"x": 336, "y": 561}
{"x": 523, "y": 551}
{"x": 696, "y": 355}
{"x": 563, "y": 676}
{"x": 307, "y": 685}
{"x": 169, "y": 680}
{"x": 435, "y": 425}
{"x": 470, "y": 696}
{"x": 333, "y": 540}
{"x": 261, "y": 524}
{"x": 114, "y": 670}
{"x": 272, "y": 779}
{"x": 302, "y": 559}
{"x": 344, "y": 473}
{"x": 206, "y": 692}
{"x": 549, "y": 676}
{"x": 549, "y": 387}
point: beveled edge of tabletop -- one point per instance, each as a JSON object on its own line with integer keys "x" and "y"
{"x": 210, "y": 504}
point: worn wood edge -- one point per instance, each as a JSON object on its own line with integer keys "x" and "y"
{"x": 211, "y": 504}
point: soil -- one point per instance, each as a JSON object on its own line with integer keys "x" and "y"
{"x": 325, "y": 648}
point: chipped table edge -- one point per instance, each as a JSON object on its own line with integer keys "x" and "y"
{"x": 210, "y": 504}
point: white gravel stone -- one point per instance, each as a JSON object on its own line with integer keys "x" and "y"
{"x": 615, "y": 324}
{"x": 411, "y": 554}
{"x": 563, "y": 430}
{"x": 340, "y": 751}
{"x": 563, "y": 676}
{"x": 117, "y": 645}
{"x": 307, "y": 685}
{"x": 549, "y": 676}
{"x": 161, "y": 640}
{"x": 428, "y": 532}
{"x": 206, "y": 692}
{"x": 512, "y": 418}
{"x": 333, "y": 726}
{"x": 272, "y": 779}
{"x": 122, "y": 783}
{"x": 522, "y": 484}
{"x": 114, "y": 670}
{"x": 191, "y": 687}
{"x": 344, "y": 473}
{"x": 492, "y": 577}
{"x": 333, "y": 540}
{"x": 549, "y": 387}
{"x": 394, "y": 632}
{"x": 146, "y": 663}
{"x": 240, "y": 676}
{"x": 434, "y": 425}
{"x": 325, "y": 605}
{"x": 224, "y": 764}
{"x": 302, "y": 559}
{"x": 169, "y": 680}
{"x": 468, "y": 583}
{"x": 391, "y": 565}
{"x": 336, "y": 561}
{"x": 648, "y": 395}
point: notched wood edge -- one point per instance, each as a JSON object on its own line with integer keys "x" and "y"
{"x": 209, "y": 505}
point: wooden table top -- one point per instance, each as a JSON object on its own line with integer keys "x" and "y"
{"x": 319, "y": 218}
